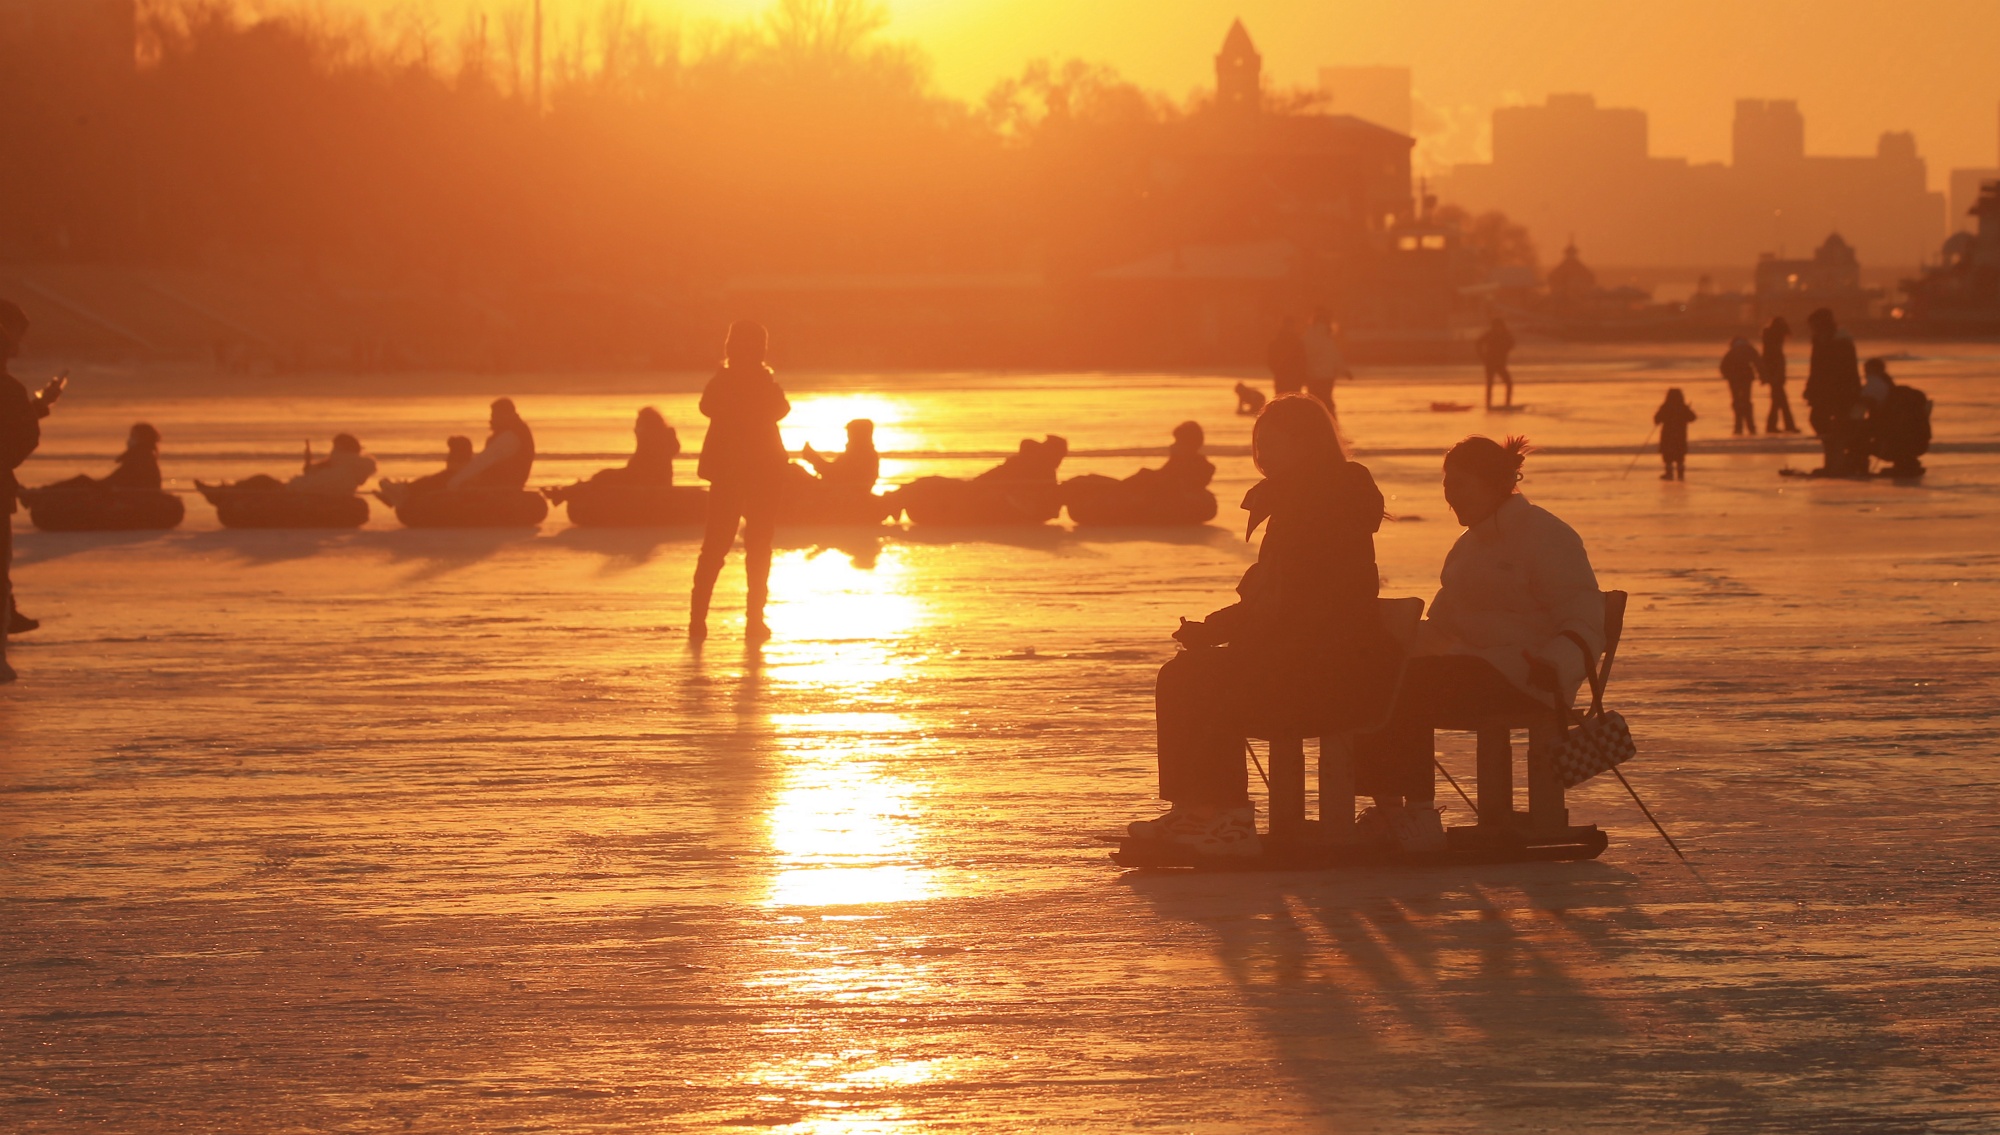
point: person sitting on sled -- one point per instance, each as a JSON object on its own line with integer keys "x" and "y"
{"x": 1495, "y": 642}
{"x": 1301, "y": 654}
{"x": 854, "y": 471}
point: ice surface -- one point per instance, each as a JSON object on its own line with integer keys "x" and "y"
{"x": 391, "y": 830}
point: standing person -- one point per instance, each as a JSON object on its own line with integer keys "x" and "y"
{"x": 508, "y": 456}
{"x": 1772, "y": 367}
{"x": 1739, "y": 370}
{"x": 743, "y": 460}
{"x": 1833, "y": 390}
{"x": 1673, "y": 417}
{"x": 1496, "y": 345}
{"x": 1301, "y": 653}
{"x": 21, "y": 417}
{"x": 1286, "y": 357}
{"x": 1325, "y": 361}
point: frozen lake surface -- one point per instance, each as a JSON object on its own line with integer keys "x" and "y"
{"x": 398, "y": 830}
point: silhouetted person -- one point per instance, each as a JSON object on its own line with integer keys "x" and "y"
{"x": 1739, "y": 370}
{"x": 1898, "y": 426}
{"x": 1496, "y": 640}
{"x": 743, "y": 459}
{"x": 1301, "y": 653}
{"x": 138, "y": 467}
{"x": 1033, "y": 463}
{"x": 508, "y": 457}
{"x": 1286, "y": 357}
{"x": 1772, "y": 369}
{"x": 457, "y": 455}
{"x": 1187, "y": 470}
{"x": 21, "y": 417}
{"x": 854, "y": 471}
{"x": 1249, "y": 399}
{"x": 1673, "y": 417}
{"x": 1325, "y": 362}
{"x": 1833, "y": 392}
{"x": 655, "y": 445}
{"x": 1496, "y": 346}
{"x": 341, "y": 472}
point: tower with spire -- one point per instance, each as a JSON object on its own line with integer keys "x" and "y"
{"x": 1239, "y": 73}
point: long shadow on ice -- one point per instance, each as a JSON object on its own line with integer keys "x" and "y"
{"x": 41, "y": 547}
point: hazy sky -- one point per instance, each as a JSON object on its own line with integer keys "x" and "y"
{"x": 1857, "y": 67}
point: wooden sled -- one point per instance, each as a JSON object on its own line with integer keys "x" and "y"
{"x": 1502, "y": 834}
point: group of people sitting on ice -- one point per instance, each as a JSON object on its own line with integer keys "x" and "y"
{"x": 1516, "y": 622}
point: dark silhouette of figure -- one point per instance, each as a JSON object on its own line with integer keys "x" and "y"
{"x": 508, "y": 457}
{"x": 1495, "y": 641}
{"x": 854, "y": 471}
{"x": 1301, "y": 652}
{"x": 1772, "y": 369}
{"x": 1673, "y": 417}
{"x": 21, "y": 417}
{"x": 1496, "y": 346}
{"x": 1833, "y": 395}
{"x": 1286, "y": 357}
{"x": 655, "y": 445}
{"x": 1739, "y": 370}
{"x": 1325, "y": 362}
{"x": 457, "y": 455}
{"x": 1033, "y": 463}
{"x": 1020, "y": 490}
{"x": 1174, "y": 494}
{"x": 743, "y": 459}
{"x": 1249, "y": 399}
{"x": 1898, "y": 427}
{"x": 136, "y": 468}
{"x": 341, "y": 472}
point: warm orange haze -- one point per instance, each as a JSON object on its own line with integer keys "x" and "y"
{"x": 821, "y": 567}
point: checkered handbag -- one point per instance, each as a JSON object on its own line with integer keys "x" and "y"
{"x": 1599, "y": 740}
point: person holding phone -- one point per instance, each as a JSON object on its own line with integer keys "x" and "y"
{"x": 21, "y": 417}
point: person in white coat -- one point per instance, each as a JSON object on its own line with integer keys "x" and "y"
{"x": 1325, "y": 362}
{"x": 1516, "y": 611}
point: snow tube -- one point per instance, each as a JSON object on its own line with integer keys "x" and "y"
{"x": 102, "y": 509}
{"x": 808, "y": 501}
{"x": 950, "y": 502}
{"x": 1095, "y": 500}
{"x": 636, "y": 506}
{"x": 284, "y": 508}
{"x": 474, "y": 508}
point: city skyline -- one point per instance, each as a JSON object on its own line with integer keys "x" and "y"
{"x": 1857, "y": 70}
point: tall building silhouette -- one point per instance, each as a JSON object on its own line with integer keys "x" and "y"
{"x": 1570, "y": 166}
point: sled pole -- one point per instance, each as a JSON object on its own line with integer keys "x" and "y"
{"x": 1252, "y": 750}
{"x": 1454, "y": 784}
{"x": 1648, "y": 811}
{"x": 1635, "y": 465}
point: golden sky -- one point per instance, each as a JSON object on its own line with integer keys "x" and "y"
{"x": 1858, "y": 67}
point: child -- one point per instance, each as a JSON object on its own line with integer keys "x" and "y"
{"x": 1673, "y": 417}
{"x": 743, "y": 459}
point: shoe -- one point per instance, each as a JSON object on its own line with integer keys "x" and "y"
{"x": 1418, "y": 828}
{"x": 1667, "y": 476}
{"x": 756, "y": 633}
{"x": 1230, "y": 834}
{"x": 697, "y": 631}
{"x": 17, "y": 623}
{"x": 1167, "y": 827}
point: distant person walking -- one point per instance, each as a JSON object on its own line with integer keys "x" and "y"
{"x": 1772, "y": 368}
{"x": 743, "y": 459}
{"x": 1673, "y": 417}
{"x": 1325, "y": 362}
{"x": 1739, "y": 370}
{"x": 1286, "y": 357}
{"x": 1496, "y": 346}
{"x": 1833, "y": 393}
{"x": 21, "y": 417}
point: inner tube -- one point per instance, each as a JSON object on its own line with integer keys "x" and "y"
{"x": 284, "y": 508}
{"x": 473, "y": 508}
{"x": 808, "y": 501}
{"x": 1098, "y": 501}
{"x": 949, "y": 502}
{"x": 636, "y": 506}
{"x": 103, "y": 509}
